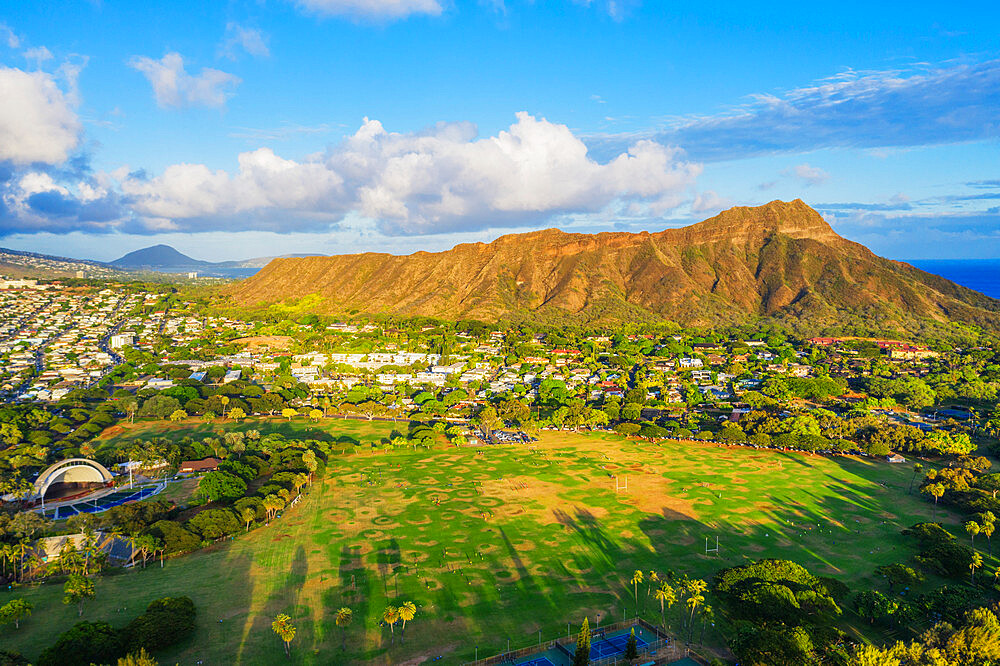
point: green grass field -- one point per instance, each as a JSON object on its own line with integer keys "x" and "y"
{"x": 501, "y": 545}
{"x": 347, "y": 432}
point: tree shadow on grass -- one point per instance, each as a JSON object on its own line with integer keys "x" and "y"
{"x": 387, "y": 558}
{"x": 354, "y": 592}
{"x": 284, "y": 598}
{"x": 348, "y": 439}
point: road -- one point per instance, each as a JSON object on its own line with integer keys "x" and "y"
{"x": 104, "y": 344}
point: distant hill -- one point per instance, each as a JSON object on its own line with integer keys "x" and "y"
{"x": 17, "y": 263}
{"x": 780, "y": 260}
{"x": 156, "y": 257}
{"x": 145, "y": 263}
{"x": 165, "y": 259}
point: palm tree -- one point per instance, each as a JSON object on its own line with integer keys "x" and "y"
{"x": 283, "y": 626}
{"x": 636, "y": 579}
{"x": 344, "y": 618}
{"x": 987, "y": 529}
{"x": 665, "y": 595}
{"x": 133, "y": 542}
{"x": 707, "y": 615}
{"x": 272, "y": 505}
{"x": 6, "y": 554}
{"x": 225, "y": 401}
{"x": 693, "y": 602}
{"x": 390, "y": 615}
{"x": 129, "y": 406}
{"x": 975, "y": 563}
{"x": 310, "y": 461}
{"x": 299, "y": 481}
{"x": 653, "y": 578}
{"x": 936, "y": 490}
{"x": 20, "y": 549}
{"x": 917, "y": 468}
{"x": 407, "y": 610}
{"x": 973, "y": 528}
{"x": 247, "y": 515}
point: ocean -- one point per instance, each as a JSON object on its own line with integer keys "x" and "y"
{"x": 983, "y": 275}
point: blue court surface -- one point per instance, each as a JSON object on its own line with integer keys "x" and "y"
{"x": 538, "y": 661}
{"x": 602, "y": 647}
{"x": 103, "y": 504}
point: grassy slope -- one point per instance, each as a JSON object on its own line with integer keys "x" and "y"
{"x": 559, "y": 544}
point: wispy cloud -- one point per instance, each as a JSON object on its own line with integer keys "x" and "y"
{"x": 618, "y": 10}
{"x": 840, "y": 207}
{"x": 922, "y": 105}
{"x": 371, "y": 10}
{"x": 240, "y": 38}
{"x": 37, "y": 55}
{"x": 710, "y": 202}
{"x": 9, "y": 37}
{"x": 807, "y": 174}
{"x": 173, "y": 87}
{"x": 922, "y": 235}
{"x": 283, "y": 131}
{"x": 984, "y": 184}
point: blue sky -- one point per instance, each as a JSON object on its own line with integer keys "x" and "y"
{"x": 240, "y": 129}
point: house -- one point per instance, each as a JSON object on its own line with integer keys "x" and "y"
{"x": 701, "y": 376}
{"x": 159, "y": 383}
{"x": 116, "y": 548}
{"x": 199, "y": 466}
{"x": 895, "y": 458}
{"x": 912, "y": 353}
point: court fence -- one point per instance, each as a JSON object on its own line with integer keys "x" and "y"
{"x": 664, "y": 649}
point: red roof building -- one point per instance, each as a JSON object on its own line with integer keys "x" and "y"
{"x": 199, "y": 466}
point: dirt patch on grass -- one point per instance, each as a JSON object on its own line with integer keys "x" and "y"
{"x": 270, "y": 341}
{"x": 655, "y": 494}
{"x": 110, "y": 432}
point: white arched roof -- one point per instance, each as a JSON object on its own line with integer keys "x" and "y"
{"x": 71, "y": 470}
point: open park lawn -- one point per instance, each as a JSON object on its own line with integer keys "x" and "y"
{"x": 348, "y": 432}
{"x": 500, "y": 544}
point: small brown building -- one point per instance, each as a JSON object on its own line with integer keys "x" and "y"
{"x": 199, "y": 466}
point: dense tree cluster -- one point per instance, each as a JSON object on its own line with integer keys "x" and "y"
{"x": 781, "y": 613}
{"x": 166, "y": 622}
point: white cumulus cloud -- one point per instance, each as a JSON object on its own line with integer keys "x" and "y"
{"x": 37, "y": 120}
{"x": 174, "y": 87}
{"x": 439, "y": 180}
{"x": 372, "y": 9}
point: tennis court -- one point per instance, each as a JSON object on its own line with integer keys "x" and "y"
{"x": 537, "y": 661}
{"x": 602, "y": 647}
